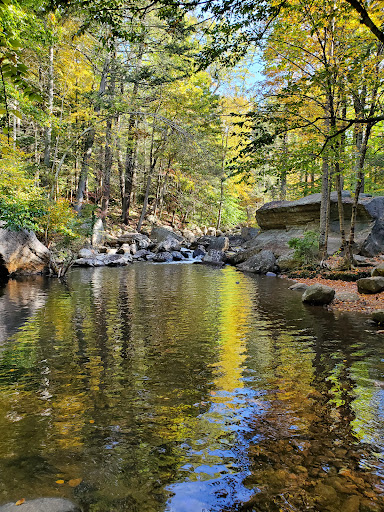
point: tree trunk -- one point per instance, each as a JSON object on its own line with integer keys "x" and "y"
{"x": 324, "y": 209}
{"x": 48, "y": 129}
{"x": 88, "y": 143}
{"x": 221, "y": 203}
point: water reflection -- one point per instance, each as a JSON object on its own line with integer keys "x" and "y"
{"x": 184, "y": 388}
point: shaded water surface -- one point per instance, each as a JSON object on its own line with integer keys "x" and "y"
{"x": 182, "y": 388}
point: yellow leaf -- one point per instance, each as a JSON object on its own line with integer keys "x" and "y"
{"x": 20, "y": 502}
{"x": 75, "y": 482}
{"x": 60, "y": 481}
{"x": 91, "y": 421}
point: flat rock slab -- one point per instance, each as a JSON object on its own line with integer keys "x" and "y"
{"x": 318, "y": 294}
{"x": 300, "y": 287}
{"x": 42, "y": 505}
{"x": 347, "y": 297}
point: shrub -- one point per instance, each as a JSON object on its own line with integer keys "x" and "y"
{"x": 306, "y": 247}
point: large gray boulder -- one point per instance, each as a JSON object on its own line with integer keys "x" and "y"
{"x": 160, "y": 233}
{"x": 139, "y": 239}
{"x": 22, "y": 253}
{"x": 318, "y": 294}
{"x": 260, "y": 263}
{"x": 370, "y": 284}
{"x": 304, "y": 214}
{"x": 42, "y": 505}
{"x": 219, "y": 243}
{"x": 168, "y": 245}
{"x": 214, "y": 257}
{"x": 162, "y": 257}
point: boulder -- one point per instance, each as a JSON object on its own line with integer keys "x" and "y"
{"x": 260, "y": 263}
{"x": 220, "y": 243}
{"x": 378, "y": 271}
{"x": 362, "y": 261}
{"x": 88, "y": 262}
{"x": 318, "y": 294}
{"x": 236, "y": 241}
{"x": 211, "y": 231}
{"x": 162, "y": 257}
{"x": 378, "y": 316}
{"x": 304, "y": 214}
{"x": 139, "y": 239}
{"x": 124, "y": 249}
{"x": 177, "y": 256}
{"x": 288, "y": 261}
{"x": 189, "y": 235}
{"x": 42, "y": 505}
{"x": 204, "y": 241}
{"x": 300, "y": 287}
{"x": 347, "y": 297}
{"x": 370, "y": 284}
{"x": 247, "y": 233}
{"x": 168, "y": 245}
{"x": 142, "y": 253}
{"x": 214, "y": 257}
{"x": 160, "y": 233}
{"x": 86, "y": 253}
{"x": 199, "y": 252}
{"x": 22, "y": 253}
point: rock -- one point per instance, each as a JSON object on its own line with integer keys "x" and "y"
{"x": 139, "y": 239}
{"x": 124, "y": 249}
{"x": 318, "y": 294}
{"x": 160, "y": 233}
{"x": 271, "y": 274}
{"x": 22, "y": 253}
{"x": 162, "y": 257}
{"x": 211, "y": 231}
{"x": 98, "y": 233}
{"x": 378, "y": 271}
{"x": 200, "y": 251}
{"x": 300, "y": 287}
{"x": 378, "y": 316}
{"x": 112, "y": 250}
{"x": 133, "y": 248}
{"x": 86, "y": 253}
{"x": 189, "y": 235}
{"x": 347, "y": 297}
{"x": 362, "y": 261}
{"x": 88, "y": 262}
{"x": 214, "y": 257}
{"x": 304, "y": 214}
{"x": 204, "y": 241}
{"x": 187, "y": 253}
{"x": 370, "y": 284}
{"x": 248, "y": 233}
{"x": 177, "y": 256}
{"x": 168, "y": 245}
{"x": 149, "y": 257}
{"x": 260, "y": 263}
{"x": 243, "y": 255}
{"x": 235, "y": 241}
{"x": 288, "y": 261}
{"x": 42, "y": 505}
{"x": 122, "y": 261}
{"x": 220, "y": 243}
{"x": 351, "y": 504}
{"x": 142, "y": 253}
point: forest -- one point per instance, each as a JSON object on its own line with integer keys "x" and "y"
{"x": 185, "y": 112}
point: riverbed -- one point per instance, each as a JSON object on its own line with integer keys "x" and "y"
{"x": 186, "y": 388}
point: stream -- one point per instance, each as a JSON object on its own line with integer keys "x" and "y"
{"x": 186, "y": 388}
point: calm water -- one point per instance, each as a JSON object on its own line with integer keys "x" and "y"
{"x": 183, "y": 388}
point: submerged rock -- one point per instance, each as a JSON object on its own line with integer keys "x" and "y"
{"x": 318, "y": 294}
{"x": 370, "y": 284}
{"x": 42, "y": 505}
{"x": 300, "y": 287}
{"x": 260, "y": 263}
{"x": 378, "y": 316}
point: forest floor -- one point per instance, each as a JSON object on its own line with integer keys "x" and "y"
{"x": 367, "y": 303}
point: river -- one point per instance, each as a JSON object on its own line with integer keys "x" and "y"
{"x": 185, "y": 388}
